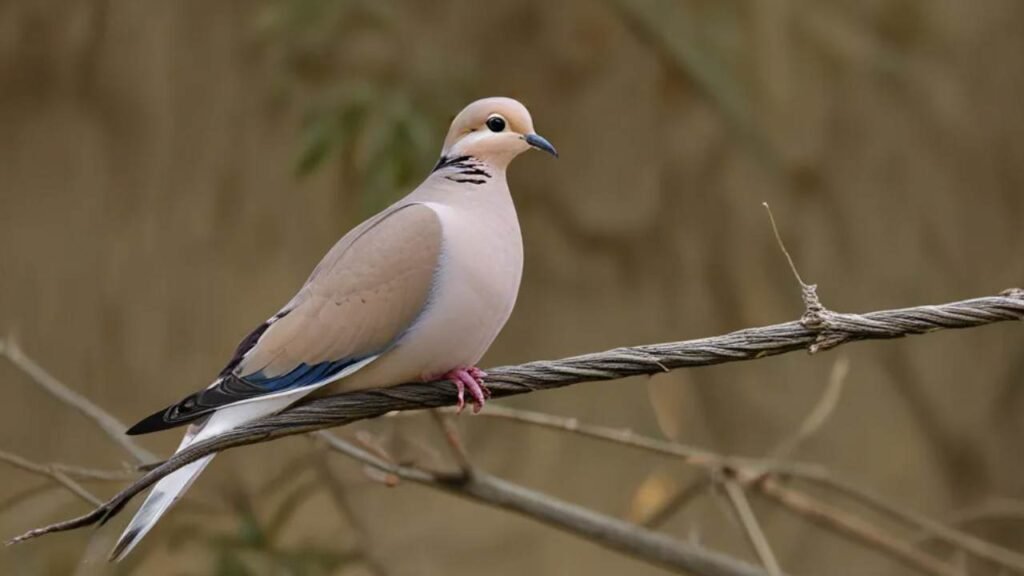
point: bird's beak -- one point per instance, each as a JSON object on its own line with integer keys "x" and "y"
{"x": 540, "y": 143}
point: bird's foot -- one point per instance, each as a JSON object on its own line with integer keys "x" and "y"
{"x": 473, "y": 379}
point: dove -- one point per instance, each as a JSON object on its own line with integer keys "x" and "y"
{"x": 417, "y": 292}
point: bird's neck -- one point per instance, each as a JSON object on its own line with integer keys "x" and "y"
{"x": 465, "y": 165}
{"x": 467, "y": 182}
{"x": 468, "y": 170}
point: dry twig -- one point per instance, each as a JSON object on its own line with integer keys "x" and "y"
{"x": 762, "y": 475}
{"x": 854, "y": 527}
{"x": 604, "y": 530}
{"x": 678, "y": 501}
{"x": 996, "y": 509}
{"x": 52, "y": 473}
{"x": 111, "y": 426}
{"x": 817, "y": 417}
{"x": 451, "y": 436}
{"x": 747, "y": 518}
{"x": 929, "y": 528}
{"x": 340, "y": 498}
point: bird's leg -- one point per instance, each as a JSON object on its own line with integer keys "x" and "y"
{"x": 471, "y": 378}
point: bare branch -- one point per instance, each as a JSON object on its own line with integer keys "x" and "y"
{"x": 845, "y": 523}
{"x": 678, "y": 501}
{"x": 758, "y": 541}
{"x": 829, "y": 330}
{"x": 820, "y": 414}
{"x": 998, "y": 509}
{"x": 604, "y": 530}
{"x": 451, "y": 436}
{"x": 12, "y": 500}
{"x": 339, "y": 497}
{"x": 713, "y": 462}
{"x": 51, "y": 473}
{"x": 929, "y": 528}
{"x": 817, "y": 417}
{"x": 753, "y": 472}
{"x": 688, "y": 454}
{"x": 808, "y": 292}
{"x": 782, "y": 245}
{"x": 111, "y": 426}
{"x": 93, "y": 474}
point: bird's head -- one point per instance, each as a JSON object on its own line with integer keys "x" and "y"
{"x": 494, "y": 130}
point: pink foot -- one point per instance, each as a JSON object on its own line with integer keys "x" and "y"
{"x": 471, "y": 378}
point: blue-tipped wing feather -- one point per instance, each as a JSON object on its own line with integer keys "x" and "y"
{"x": 230, "y": 389}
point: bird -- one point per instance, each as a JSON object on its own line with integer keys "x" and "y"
{"x": 417, "y": 292}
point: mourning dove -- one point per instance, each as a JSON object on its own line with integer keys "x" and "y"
{"x": 417, "y": 292}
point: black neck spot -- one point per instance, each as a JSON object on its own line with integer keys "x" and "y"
{"x": 446, "y": 161}
{"x": 465, "y": 169}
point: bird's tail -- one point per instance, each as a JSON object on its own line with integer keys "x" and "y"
{"x": 172, "y": 486}
{"x": 166, "y": 492}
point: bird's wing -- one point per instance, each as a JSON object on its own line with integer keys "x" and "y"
{"x": 362, "y": 297}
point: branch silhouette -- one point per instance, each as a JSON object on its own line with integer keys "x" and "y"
{"x": 819, "y": 329}
{"x": 613, "y": 533}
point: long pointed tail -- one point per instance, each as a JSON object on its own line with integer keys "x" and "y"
{"x": 172, "y": 486}
{"x": 166, "y": 492}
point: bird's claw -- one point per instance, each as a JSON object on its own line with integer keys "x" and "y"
{"x": 472, "y": 379}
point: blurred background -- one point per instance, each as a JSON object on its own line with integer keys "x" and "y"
{"x": 171, "y": 171}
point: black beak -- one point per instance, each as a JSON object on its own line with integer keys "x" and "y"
{"x": 538, "y": 142}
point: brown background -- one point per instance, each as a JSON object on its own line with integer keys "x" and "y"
{"x": 170, "y": 172}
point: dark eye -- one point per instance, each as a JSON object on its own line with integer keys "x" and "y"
{"x": 496, "y": 124}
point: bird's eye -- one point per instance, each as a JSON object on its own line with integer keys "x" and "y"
{"x": 496, "y": 124}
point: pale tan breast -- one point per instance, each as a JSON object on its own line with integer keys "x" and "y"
{"x": 476, "y": 289}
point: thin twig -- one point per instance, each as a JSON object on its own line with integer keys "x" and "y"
{"x": 339, "y": 497}
{"x": 604, "y": 530}
{"x": 782, "y": 245}
{"x": 677, "y": 502}
{"x": 51, "y": 473}
{"x": 12, "y": 500}
{"x": 820, "y": 414}
{"x": 856, "y": 528}
{"x": 291, "y": 471}
{"x": 111, "y": 426}
{"x": 372, "y": 444}
{"x": 815, "y": 419}
{"x": 451, "y": 436}
{"x": 93, "y": 474}
{"x": 688, "y": 454}
{"x": 928, "y": 527}
{"x": 752, "y": 528}
{"x": 752, "y": 471}
{"x": 997, "y": 509}
{"x": 814, "y": 311}
{"x": 748, "y": 344}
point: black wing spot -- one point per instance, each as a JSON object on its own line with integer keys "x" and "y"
{"x": 231, "y": 388}
{"x": 249, "y": 341}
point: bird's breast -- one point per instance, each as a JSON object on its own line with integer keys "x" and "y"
{"x": 478, "y": 278}
{"x": 474, "y": 291}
